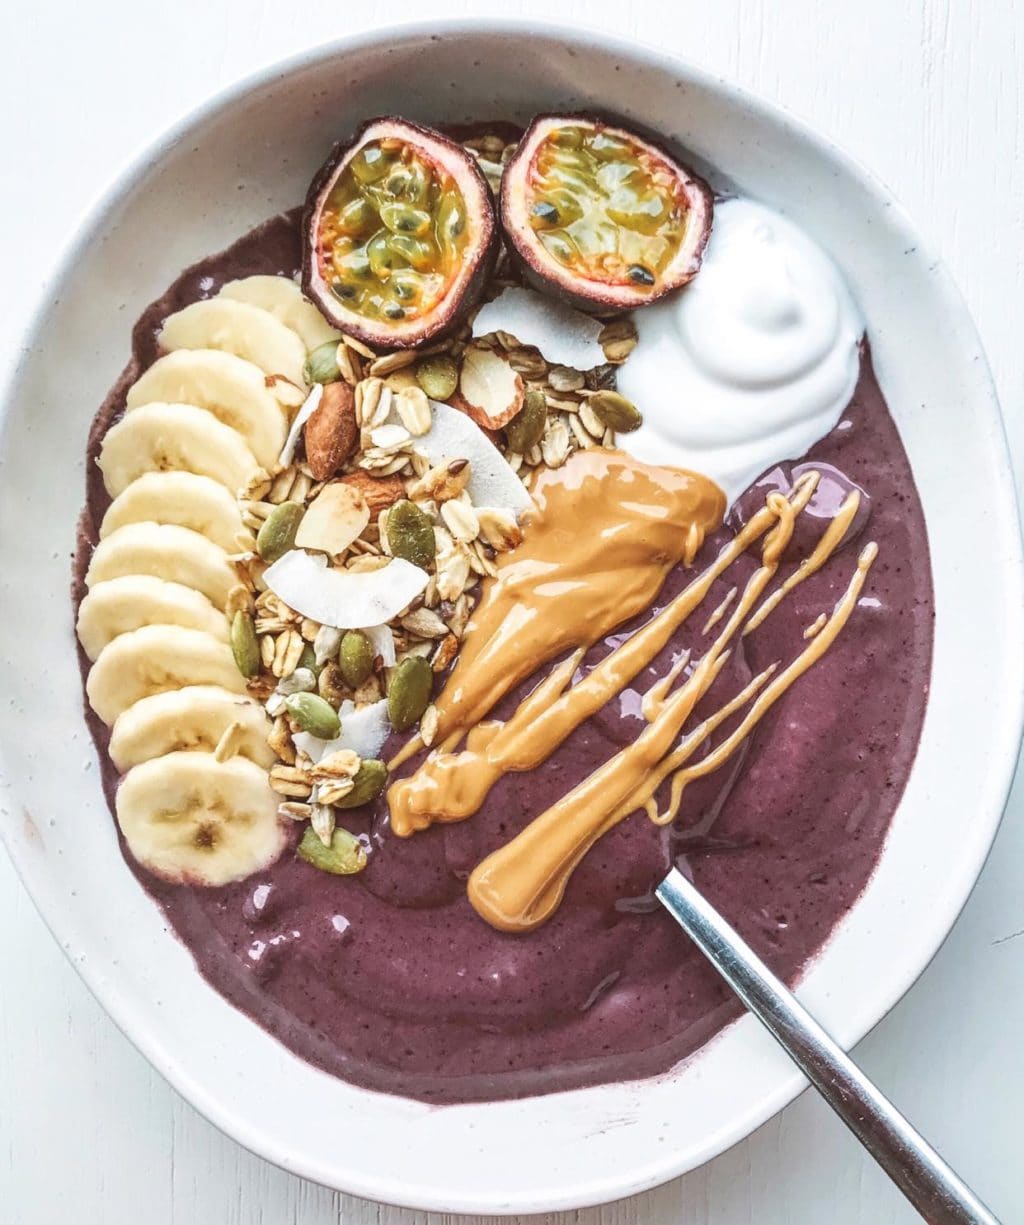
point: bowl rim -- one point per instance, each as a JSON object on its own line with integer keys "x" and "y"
{"x": 1004, "y": 744}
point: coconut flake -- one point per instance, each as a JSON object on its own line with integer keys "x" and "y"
{"x": 309, "y": 407}
{"x": 326, "y": 643}
{"x": 565, "y": 337}
{"x": 363, "y": 731}
{"x": 342, "y": 598}
{"x": 492, "y": 482}
{"x": 382, "y": 639}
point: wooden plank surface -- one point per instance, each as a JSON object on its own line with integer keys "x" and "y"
{"x": 928, "y": 94}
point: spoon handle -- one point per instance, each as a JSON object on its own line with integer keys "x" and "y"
{"x": 934, "y": 1189}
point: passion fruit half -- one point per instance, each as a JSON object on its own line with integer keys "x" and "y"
{"x": 600, "y": 216}
{"x": 400, "y": 235}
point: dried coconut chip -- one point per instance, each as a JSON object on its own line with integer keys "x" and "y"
{"x": 312, "y": 403}
{"x": 343, "y": 598}
{"x": 326, "y": 643}
{"x": 564, "y": 336}
{"x": 492, "y": 482}
{"x": 363, "y": 731}
{"x": 382, "y": 639}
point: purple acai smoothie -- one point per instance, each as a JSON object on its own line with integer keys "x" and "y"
{"x": 390, "y": 979}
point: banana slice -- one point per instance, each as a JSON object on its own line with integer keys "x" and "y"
{"x": 120, "y": 605}
{"x": 153, "y": 659}
{"x": 185, "y": 499}
{"x": 234, "y": 390}
{"x": 191, "y": 718}
{"x": 179, "y": 438}
{"x": 166, "y": 551}
{"x": 190, "y": 818}
{"x": 237, "y": 327}
{"x": 285, "y": 301}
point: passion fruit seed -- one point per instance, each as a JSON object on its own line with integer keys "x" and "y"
{"x": 605, "y": 209}
{"x": 392, "y": 232}
{"x": 640, "y": 275}
{"x": 601, "y": 217}
{"x": 277, "y": 533}
{"x": 367, "y": 784}
{"x": 409, "y": 689}
{"x": 344, "y": 857}
{"x": 244, "y": 646}
{"x": 438, "y": 376}
{"x": 410, "y": 533}
{"x": 544, "y": 214}
{"x": 313, "y": 715}
{"x": 322, "y": 364}
{"x": 615, "y": 411}
{"x": 526, "y": 428}
{"x": 355, "y": 658}
{"x": 403, "y": 219}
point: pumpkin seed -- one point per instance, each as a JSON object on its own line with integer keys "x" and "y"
{"x": 307, "y": 659}
{"x": 410, "y": 534}
{"x": 322, "y": 364}
{"x": 526, "y": 428}
{"x": 355, "y": 658}
{"x": 277, "y": 535}
{"x": 409, "y": 691}
{"x": 367, "y": 785}
{"x": 438, "y": 376}
{"x": 615, "y": 411}
{"x": 313, "y": 715}
{"x": 244, "y": 646}
{"x": 345, "y": 856}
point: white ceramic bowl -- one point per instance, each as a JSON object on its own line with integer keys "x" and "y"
{"x": 182, "y": 200}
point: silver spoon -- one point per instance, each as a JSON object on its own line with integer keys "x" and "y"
{"x": 934, "y": 1189}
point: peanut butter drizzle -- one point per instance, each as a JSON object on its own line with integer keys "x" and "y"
{"x": 519, "y": 886}
{"x": 831, "y": 539}
{"x": 606, "y": 531}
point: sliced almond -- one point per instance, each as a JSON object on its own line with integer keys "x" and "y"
{"x": 336, "y": 516}
{"x": 493, "y": 392}
{"x": 379, "y": 492}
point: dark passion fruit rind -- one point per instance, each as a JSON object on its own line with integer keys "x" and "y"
{"x": 399, "y": 233}
{"x": 600, "y": 216}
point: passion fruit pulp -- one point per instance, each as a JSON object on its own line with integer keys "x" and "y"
{"x": 400, "y": 235}
{"x": 601, "y": 216}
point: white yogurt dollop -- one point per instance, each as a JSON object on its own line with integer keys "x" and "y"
{"x": 752, "y": 362}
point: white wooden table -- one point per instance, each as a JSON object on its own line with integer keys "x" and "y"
{"x": 926, "y": 92}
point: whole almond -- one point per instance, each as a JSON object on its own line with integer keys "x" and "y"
{"x": 331, "y": 431}
{"x": 379, "y": 492}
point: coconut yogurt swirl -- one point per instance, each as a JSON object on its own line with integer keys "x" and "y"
{"x": 751, "y": 363}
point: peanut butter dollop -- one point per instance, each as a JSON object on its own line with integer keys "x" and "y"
{"x": 606, "y": 531}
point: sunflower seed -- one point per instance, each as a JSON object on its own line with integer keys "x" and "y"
{"x": 554, "y": 447}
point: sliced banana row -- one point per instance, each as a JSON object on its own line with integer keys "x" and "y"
{"x": 183, "y": 498}
{"x": 193, "y": 718}
{"x": 201, "y": 423}
{"x": 196, "y": 820}
{"x": 285, "y": 301}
